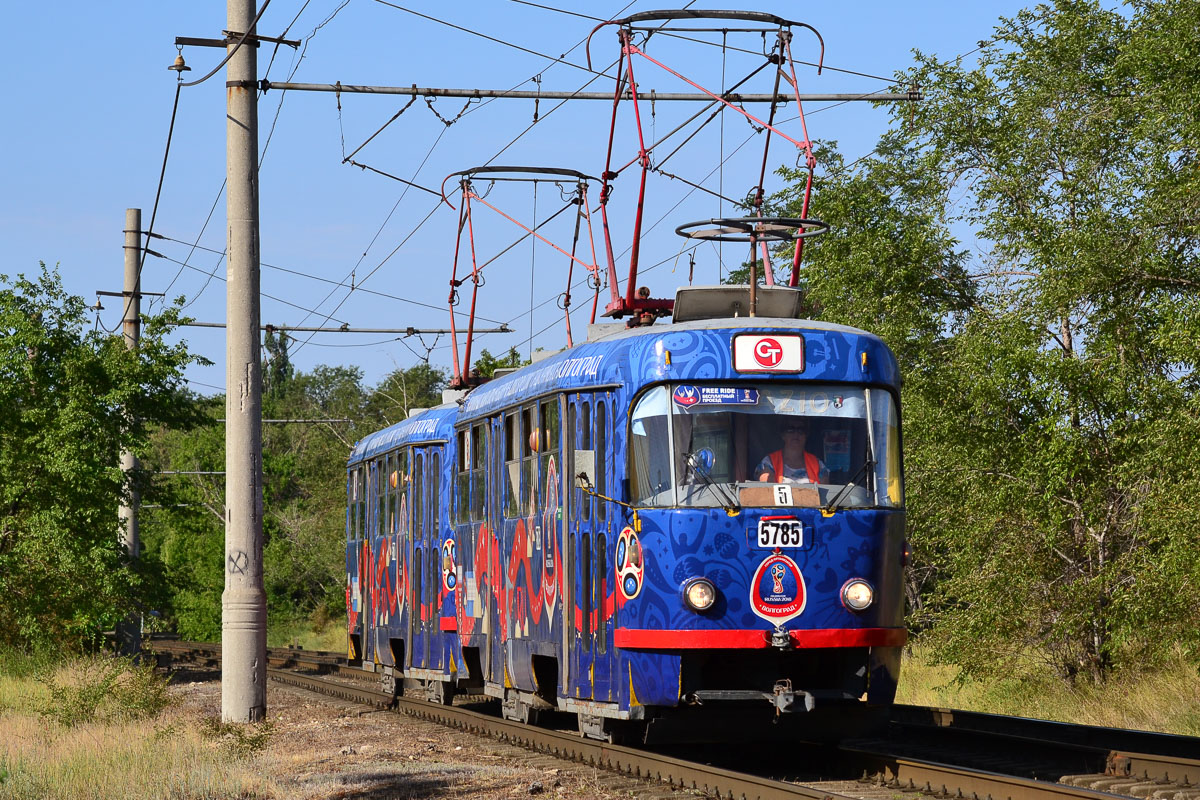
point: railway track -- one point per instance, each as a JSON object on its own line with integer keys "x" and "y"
{"x": 928, "y": 752}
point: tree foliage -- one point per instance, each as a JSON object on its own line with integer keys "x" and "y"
{"x": 304, "y": 492}
{"x": 1052, "y": 416}
{"x": 70, "y": 400}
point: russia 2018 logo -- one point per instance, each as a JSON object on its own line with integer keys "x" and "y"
{"x": 449, "y": 579}
{"x": 686, "y": 396}
{"x": 777, "y": 590}
{"x": 629, "y": 564}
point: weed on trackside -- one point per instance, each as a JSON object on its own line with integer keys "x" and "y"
{"x": 104, "y": 728}
{"x": 1166, "y": 699}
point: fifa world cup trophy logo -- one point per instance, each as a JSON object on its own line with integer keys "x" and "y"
{"x": 777, "y": 573}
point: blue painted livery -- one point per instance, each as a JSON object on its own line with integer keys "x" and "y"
{"x": 662, "y": 523}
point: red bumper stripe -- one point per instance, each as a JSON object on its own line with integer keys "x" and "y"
{"x": 742, "y": 639}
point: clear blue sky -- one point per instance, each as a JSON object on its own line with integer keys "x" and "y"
{"x": 90, "y": 100}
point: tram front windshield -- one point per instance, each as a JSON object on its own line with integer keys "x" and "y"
{"x": 697, "y": 445}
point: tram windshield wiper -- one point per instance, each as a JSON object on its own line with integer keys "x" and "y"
{"x": 866, "y": 470}
{"x": 728, "y": 501}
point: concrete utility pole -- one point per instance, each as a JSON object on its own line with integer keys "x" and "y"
{"x": 244, "y": 603}
{"x": 129, "y": 631}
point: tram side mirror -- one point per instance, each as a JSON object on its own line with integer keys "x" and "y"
{"x": 702, "y": 461}
{"x": 585, "y": 468}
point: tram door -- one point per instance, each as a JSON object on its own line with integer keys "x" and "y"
{"x": 589, "y": 602}
{"x": 425, "y": 566}
{"x": 504, "y": 440}
{"x": 372, "y": 543}
{"x": 415, "y": 551}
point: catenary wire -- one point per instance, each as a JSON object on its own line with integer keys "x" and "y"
{"x": 325, "y": 280}
{"x": 427, "y": 155}
{"x": 264, "y": 294}
{"x": 162, "y": 174}
{"x": 672, "y": 35}
{"x": 216, "y": 200}
{"x": 561, "y": 102}
{"x": 267, "y": 144}
{"x": 396, "y": 249}
{"x": 492, "y": 38}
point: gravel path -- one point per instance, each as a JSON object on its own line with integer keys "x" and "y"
{"x": 325, "y": 748}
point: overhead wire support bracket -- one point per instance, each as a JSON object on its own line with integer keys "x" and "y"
{"x": 548, "y": 94}
{"x": 410, "y": 331}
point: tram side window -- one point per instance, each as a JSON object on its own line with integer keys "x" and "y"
{"x": 601, "y": 582}
{"x": 572, "y": 492}
{"x": 478, "y": 471}
{"x": 416, "y": 587}
{"x": 585, "y": 572}
{"x": 512, "y": 463}
{"x": 528, "y": 460}
{"x": 650, "y": 458}
{"x": 380, "y": 497}
{"x": 585, "y": 443}
{"x": 352, "y": 504}
{"x": 601, "y": 458}
{"x": 419, "y": 496}
{"x": 462, "y": 478}
{"x": 389, "y": 491}
{"x": 432, "y": 486}
{"x": 549, "y": 441}
{"x": 361, "y": 504}
{"x": 399, "y": 480}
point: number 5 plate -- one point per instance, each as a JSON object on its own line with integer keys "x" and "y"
{"x": 774, "y": 533}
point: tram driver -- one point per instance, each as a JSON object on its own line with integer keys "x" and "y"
{"x": 793, "y": 463}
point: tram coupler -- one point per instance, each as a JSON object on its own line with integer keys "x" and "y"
{"x": 780, "y": 638}
{"x": 784, "y": 697}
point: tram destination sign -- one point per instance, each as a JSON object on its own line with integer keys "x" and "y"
{"x": 768, "y": 353}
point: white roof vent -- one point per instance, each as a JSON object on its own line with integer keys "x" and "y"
{"x": 721, "y": 302}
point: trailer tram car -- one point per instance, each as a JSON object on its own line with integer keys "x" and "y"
{"x": 610, "y": 531}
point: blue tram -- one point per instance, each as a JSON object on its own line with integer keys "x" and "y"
{"x": 664, "y": 524}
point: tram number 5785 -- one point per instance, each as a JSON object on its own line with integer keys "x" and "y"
{"x": 774, "y": 533}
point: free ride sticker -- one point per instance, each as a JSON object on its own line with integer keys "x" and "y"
{"x": 687, "y": 395}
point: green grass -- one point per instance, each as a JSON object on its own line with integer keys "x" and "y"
{"x": 1165, "y": 700}
{"x": 311, "y": 634}
{"x": 100, "y": 728}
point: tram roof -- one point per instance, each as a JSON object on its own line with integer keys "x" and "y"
{"x": 430, "y": 425}
{"x": 634, "y": 357}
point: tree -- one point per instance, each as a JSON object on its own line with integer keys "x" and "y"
{"x": 278, "y": 369}
{"x": 70, "y": 400}
{"x": 1052, "y": 419}
{"x": 487, "y": 364}
{"x": 1054, "y": 444}
{"x": 418, "y": 386}
{"x": 304, "y": 495}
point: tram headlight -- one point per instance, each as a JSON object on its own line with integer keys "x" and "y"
{"x": 699, "y": 594}
{"x": 857, "y": 595}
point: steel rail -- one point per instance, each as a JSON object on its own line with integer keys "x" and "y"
{"x": 1162, "y": 744}
{"x": 1125, "y": 755}
{"x": 945, "y": 780}
{"x": 570, "y": 746}
{"x": 900, "y": 773}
